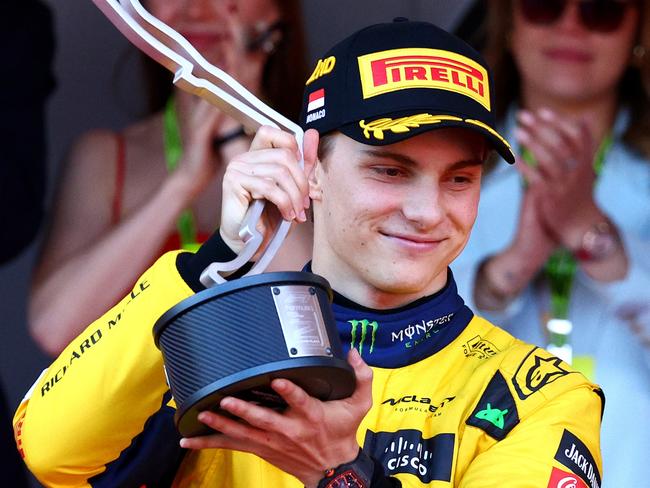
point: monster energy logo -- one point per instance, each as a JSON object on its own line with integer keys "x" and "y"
{"x": 365, "y": 326}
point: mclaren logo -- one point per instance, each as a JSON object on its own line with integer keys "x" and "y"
{"x": 363, "y": 333}
{"x": 401, "y": 69}
{"x": 414, "y": 403}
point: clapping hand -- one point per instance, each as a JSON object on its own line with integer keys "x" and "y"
{"x": 561, "y": 183}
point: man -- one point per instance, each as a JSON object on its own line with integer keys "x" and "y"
{"x": 405, "y": 114}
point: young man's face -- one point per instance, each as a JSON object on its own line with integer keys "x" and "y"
{"x": 389, "y": 219}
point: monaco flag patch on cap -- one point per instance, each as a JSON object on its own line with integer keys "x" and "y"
{"x": 316, "y": 100}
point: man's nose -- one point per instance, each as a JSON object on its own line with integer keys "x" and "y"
{"x": 424, "y": 207}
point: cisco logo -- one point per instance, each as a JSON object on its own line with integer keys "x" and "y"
{"x": 405, "y": 451}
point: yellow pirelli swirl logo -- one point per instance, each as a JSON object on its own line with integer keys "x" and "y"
{"x": 401, "y": 69}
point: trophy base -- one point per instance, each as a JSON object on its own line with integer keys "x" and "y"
{"x": 322, "y": 378}
{"x": 235, "y": 338}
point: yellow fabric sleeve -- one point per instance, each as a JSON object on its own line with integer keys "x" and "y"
{"x": 535, "y": 447}
{"x": 99, "y": 392}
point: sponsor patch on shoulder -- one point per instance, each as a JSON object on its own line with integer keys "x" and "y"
{"x": 564, "y": 479}
{"x": 575, "y": 455}
{"x": 479, "y": 348}
{"x": 538, "y": 369}
{"x": 496, "y": 412}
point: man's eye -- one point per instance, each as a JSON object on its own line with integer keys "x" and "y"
{"x": 464, "y": 178}
{"x": 460, "y": 179}
{"x": 388, "y": 171}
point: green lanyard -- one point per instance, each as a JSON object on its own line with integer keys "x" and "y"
{"x": 561, "y": 266}
{"x": 173, "y": 153}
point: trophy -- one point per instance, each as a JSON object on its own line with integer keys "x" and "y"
{"x": 235, "y": 337}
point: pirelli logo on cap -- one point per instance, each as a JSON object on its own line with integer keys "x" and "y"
{"x": 401, "y": 69}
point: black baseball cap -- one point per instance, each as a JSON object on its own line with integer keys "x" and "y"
{"x": 391, "y": 81}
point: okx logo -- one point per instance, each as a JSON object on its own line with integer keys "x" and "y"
{"x": 363, "y": 333}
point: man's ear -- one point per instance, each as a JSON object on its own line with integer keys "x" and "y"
{"x": 313, "y": 167}
{"x": 315, "y": 179}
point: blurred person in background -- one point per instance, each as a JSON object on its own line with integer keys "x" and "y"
{"x": 560, "y": 253}
{"x": 129, "y": 196}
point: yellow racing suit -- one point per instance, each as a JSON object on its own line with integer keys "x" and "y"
{"x": 457, "y": 402}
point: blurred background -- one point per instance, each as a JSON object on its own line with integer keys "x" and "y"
{"x": 571, "y": 245}
{"x": 98, "y": 84}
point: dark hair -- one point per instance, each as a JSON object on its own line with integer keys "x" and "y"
{"x": 634, "y": 87}
{"x": 284, "y": 73}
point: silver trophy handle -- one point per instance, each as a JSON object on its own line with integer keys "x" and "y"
{"x": 194, "y": 74}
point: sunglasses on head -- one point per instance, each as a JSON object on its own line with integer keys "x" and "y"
{"x": 595, "y": 15}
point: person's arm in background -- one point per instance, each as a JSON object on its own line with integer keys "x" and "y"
{"x": 506, "y": 250}
{"x": 557, "y": 209}
{"x": 620, "y": 277}
{"x": 83, "y": 256}
{"x": 90, "y": 263}
{"x": 564, "y": 179}
{"x": 501, "y": 277}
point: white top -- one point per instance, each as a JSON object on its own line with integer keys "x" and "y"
{"x": 559, "y": 326}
